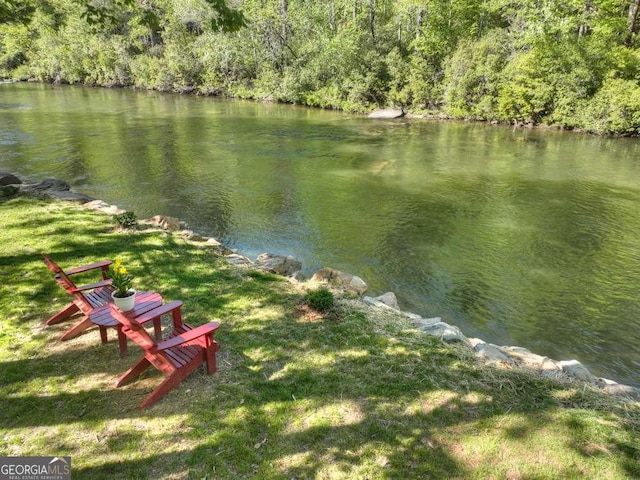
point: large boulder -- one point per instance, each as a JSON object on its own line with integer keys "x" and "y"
{"x": 239, "y": 260}
{"x": 46, "y": 184}
{"x": 9, "y": 179}
{"x": 425, "y": 323}
{"x": 191, "y": 235}
{"x": 278, "y": 264}
{"x": 212, "y": 242}
{"x": 165, "y": 222}
{"x": 387, "y": 300}
{"x": 387, "y": 113}
{"x": 104, "y": 207}
{"x": 346, "y": 281}
{"x": 528, "y": 359}
{"x": 613, "y": 388}
{"x": 489, "y": 352}
{"x": 448, "y": 333}
{"x": 575, "y": 369}
{"x": 68, "y": 195}
{"x": 625, "y": 391}
{"x": 51, "y": 189}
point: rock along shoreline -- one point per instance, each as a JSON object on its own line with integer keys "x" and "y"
{"x": 502, "y": 356}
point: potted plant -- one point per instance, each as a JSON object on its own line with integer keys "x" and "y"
{"x": 123, "y": 295}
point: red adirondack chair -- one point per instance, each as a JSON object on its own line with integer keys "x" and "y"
{"x": 184, "y": 350}
{"x": 89, "y": 299}
{"x": 85, "y": 298}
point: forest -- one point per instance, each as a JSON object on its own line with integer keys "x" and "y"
{"x": 572, "y": 64}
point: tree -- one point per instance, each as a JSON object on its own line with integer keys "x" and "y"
{"x": 16, "y": 11}
{"x": 632, "y": 21}
{"x": 226, "y": 19}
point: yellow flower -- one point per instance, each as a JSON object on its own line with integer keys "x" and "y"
{"x": 120, "y": 277}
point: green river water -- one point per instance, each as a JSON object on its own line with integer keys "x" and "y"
{"x": 519, "y": 237}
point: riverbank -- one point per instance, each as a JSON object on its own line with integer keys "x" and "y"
{"x": 362, "y": 394}
{"x": 374, "y": 114}
{"x": 488, "y": 353}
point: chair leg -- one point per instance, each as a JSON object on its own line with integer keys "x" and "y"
{"x": 122, "y": 341}
{"x": 165, "y": 387}
{"x": 133, "y": 372}
{"x": 77, "y": 329}
{"x": 103, "y": 334}
{"x": 210, "y": 353}
{"x": 157, "y": 329}
{"x": 63, "y": 314}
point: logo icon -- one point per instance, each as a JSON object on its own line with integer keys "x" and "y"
{"x": 35, "y": 468}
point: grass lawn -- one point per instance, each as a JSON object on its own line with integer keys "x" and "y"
{"x": 357, "y": 395}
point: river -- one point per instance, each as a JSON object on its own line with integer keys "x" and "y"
{"x": 520, "y": 237}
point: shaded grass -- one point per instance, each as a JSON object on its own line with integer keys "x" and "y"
{"x": 356, "y": 395}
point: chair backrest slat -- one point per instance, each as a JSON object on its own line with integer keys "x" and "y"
{"x": 66, "y": 283}
{"x": 51, "y": 265}
{"x": 61, "y": 277}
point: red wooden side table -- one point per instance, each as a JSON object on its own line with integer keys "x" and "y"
{"x": 145, "y": 301}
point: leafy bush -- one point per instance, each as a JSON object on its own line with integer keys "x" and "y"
{"x": 321, "y": 300}
{"x": 527, "y": 92}
{"x": 472, "y": 76}
{"x": 614, "y": 109}
{"x": 126, "y": 219}
{"x": 7, "y": 191}
{"x": 14, "y": 45}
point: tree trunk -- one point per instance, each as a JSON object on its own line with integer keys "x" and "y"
{"x": 284, "y": 12}
{"x": 332, "y": 17}
{"x": 372, "y": 17}
{"x": 482, "y": 16}
{"x": 632, "y": 21}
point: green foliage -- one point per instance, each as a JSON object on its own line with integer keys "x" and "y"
{"x": 473, "y": 76}
{"x": 321, "y": 300}
{"x": 614, "y": 109}
{"x": 525, "y": 94}
{"x": 16, "y": 11}
{"x": 121, "y": 279}
{"x": 14, "y": 44}
{"x": 126, "y": 220}
{"x": 511, "y": 60}
{"x": 226, "y": 19}
{"x": 109, "y": 14}
{"x": 397, "y": 68}
{"x": 106, "y": 62}
{"x": 7, "y": 191}
{"x": 148, "y": 72}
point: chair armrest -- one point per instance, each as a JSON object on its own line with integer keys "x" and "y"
{"x": 91, "y": 286}
{"x": 159, "y": 311}
{"x": 198, "y": 332}
{"x": 90, "y": 266}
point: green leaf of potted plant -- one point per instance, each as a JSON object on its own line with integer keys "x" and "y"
{"x": 121, "y": 280}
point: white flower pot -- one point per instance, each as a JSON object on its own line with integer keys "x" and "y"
{"x": 125, "y": 303}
